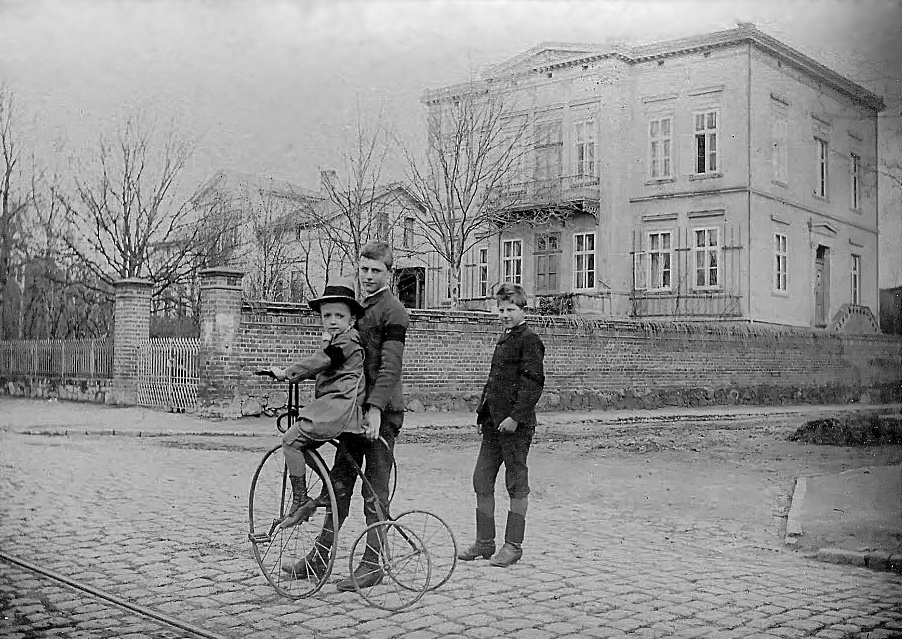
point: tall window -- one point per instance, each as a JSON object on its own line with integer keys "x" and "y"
{"x": 548, "y": 151}
{"x": 382, "y": 230}
{"x": 585, "y": 149}
{"x": 856, "y": 181}
{"x": 660, "y": 255}
{"x": 512, "y": 261}
{"x": 706, "y": 142}
{"x": 483, "y": 272}
{"x": 856, "y": 279}
{"x": 661, "y": 143}
{"x": 296, "y": 285}
{"x": 706, "y": 251}
{"x": 408, "y": 232}
{"x": 547, "y": 256}
{"x": 780, "y": 262}
{"x": 584, "y": 261}
{"x": 821, "y": 150}
{"x": 779, "y": 152}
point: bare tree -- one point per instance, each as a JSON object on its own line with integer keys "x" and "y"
{"x": 14, "y": 201}
{"x": 126, "y": 215}
{"x": 464, "y": 184}
{"x": 271, "y": 256}
{"x": 358, "y": 206}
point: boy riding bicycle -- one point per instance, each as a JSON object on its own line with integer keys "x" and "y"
{"x": 339, "y": 391}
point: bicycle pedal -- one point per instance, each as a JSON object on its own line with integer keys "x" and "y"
{"x": 259, "y": 538}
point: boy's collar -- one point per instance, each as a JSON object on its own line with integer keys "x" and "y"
{"x": 516, "y": 327}
{"x": 367, "y": 298}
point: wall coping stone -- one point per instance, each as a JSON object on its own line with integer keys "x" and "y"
{"x": 133, "y": 282}
{"x": 261, "y": 312}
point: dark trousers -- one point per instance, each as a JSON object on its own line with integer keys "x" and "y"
{"x": 376, "y": 460}
{"x": 511, "y": 449}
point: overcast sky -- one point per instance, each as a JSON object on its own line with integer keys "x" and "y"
{"x": 273, "y": 87}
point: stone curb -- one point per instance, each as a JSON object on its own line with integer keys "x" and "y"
{"x": 873, "y": 559}
{"x": 793, "y": 525}
{"x": 559, "y": 420}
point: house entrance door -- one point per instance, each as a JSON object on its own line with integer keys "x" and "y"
{"x": 410, "y": 282}
{"x": 821, "y": 285}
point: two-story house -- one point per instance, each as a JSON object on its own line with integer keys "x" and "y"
{"x": 723, "y": 176}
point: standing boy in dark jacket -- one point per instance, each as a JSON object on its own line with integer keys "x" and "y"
{"x": 506, "y": 418}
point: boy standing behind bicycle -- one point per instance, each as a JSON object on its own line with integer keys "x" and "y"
{"x": 339, "y": 391}
{"x": 506, "y": 419}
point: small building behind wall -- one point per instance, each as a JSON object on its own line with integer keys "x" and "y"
{"x": 724, "y": 176}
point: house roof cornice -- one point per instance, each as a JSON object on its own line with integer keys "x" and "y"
{"x": 584, "y": 54}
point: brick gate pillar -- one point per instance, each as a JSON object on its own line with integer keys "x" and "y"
{"x": 131, "y": 323}
{"x": 220, "y": 318}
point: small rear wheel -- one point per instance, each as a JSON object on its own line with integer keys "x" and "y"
{"x": 439, "y": 540}
{"x": 290, "y": 559}
{"x": 399, "y": 560}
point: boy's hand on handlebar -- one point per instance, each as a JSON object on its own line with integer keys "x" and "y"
{"x": 372, "y": 422}
{"x": 274, "y": 371}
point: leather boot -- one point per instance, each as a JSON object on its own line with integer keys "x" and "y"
{"x": 484, "y": 546}
{"x": 511, "y": 551}
{"x": 301, "y": 504}
{"x": 313, "y": 566}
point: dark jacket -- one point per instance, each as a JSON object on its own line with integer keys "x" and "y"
{"x": 516, "y": 378}
{"x": 383, "y": 329}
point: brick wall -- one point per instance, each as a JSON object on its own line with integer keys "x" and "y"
{"x": 595, "y": 364}
{"x": 131, "y": 323}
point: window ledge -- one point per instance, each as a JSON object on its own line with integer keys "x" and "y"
{"x": 661, "y": 180}
{"x": 779, "y": 293}
{"x": 821, "y": 198}
{"x": 705, "y": 176}
{"x": 780, "y": 183}
{"x": 856, "y": 211}
{"x": 707, "y": 289}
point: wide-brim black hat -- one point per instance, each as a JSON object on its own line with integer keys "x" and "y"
{"x": 338, "y": 292}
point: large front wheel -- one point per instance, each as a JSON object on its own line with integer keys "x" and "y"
{"x": 290, "y": 559}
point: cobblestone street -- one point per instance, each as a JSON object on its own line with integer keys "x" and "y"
{"x": 163, "y": 522}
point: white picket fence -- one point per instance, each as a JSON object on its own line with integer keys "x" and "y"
{"x": 57, "y": 358}
{"x": 168, "y": 373}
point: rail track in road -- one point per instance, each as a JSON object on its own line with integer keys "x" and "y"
{"x": 30, "y": 610}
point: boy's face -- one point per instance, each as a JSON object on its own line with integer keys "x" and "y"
{"x": 511, "y": 314}
{"x": 336, "y": 317}
{"x": 373, "y": 275}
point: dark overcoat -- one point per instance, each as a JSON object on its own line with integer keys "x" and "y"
{"x": 516, "y": 378}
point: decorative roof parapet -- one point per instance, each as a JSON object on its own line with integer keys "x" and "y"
{"x": 585, "y": 54}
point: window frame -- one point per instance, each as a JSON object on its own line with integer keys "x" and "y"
{"x": 407, "y": 237}
{"x": 705, "y": 135}
{"x": 547, "y": 253}
{"x": 666, "y": 141}
{"x": 822, "y": 167}
{"x": 779, "y": 146}
{"x": 583, "y": 143}
{"x": 855, "y": 181}
{"x": 482, "y": 272}
{"x": 855, "y": 280}
{"x": 657, "y": 285}
{"x": 512, "y": 261}
{"x": 707, "y": 249}
{"x": 781, "y": 264}
{"x": 589, "y": 255}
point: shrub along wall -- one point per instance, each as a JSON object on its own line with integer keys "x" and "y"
{"x": 595, "y": 364}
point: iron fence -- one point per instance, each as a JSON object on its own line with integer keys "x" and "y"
{"x": 57, "y": 358}
{"x": 168, "y": 373}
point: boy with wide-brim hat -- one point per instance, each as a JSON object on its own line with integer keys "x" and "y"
{"x": 339, "y": 391}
